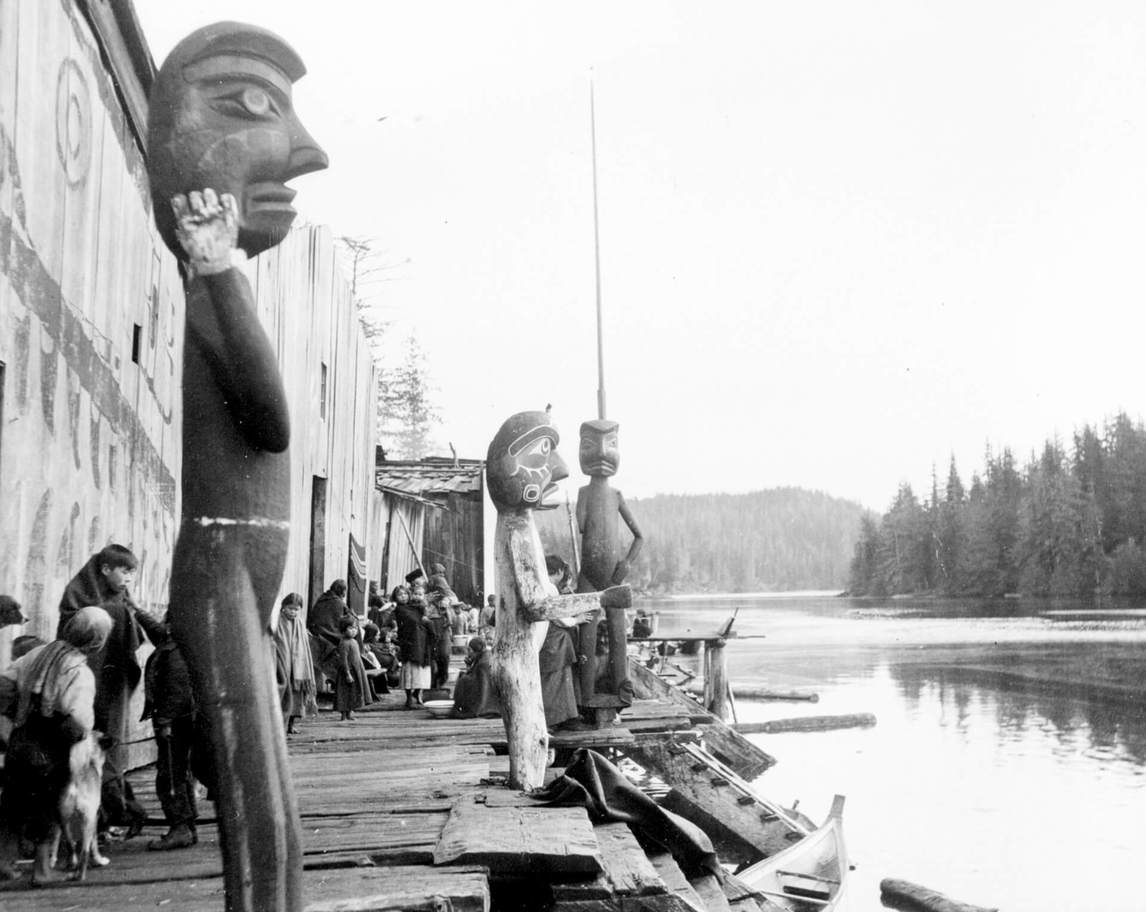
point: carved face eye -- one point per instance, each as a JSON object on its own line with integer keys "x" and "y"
{"x": 251, "y": 102}
{"x": 256, "y": 101}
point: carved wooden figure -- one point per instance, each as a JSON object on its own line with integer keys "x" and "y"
{"x": 522, "y": 468}
{"x": 223, "y": 141}
{"x": 598, "y": 508}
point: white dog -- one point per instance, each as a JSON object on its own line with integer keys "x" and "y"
{"x": 79, "y": 805}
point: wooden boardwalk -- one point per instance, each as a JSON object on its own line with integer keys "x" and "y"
{"x": 404, "y": 811}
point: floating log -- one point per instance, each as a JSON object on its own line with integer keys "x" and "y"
{"x": 807, "y": 724}
{"x": 756, "y": 692}
{"x": 910, "y": 897}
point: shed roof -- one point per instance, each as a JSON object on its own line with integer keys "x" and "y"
{"x": 427, "y": 477}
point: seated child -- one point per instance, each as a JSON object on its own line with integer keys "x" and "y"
{"x": 378, "y": 659}
{"x": 474, "y": 694}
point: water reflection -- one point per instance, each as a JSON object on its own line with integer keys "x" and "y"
{"x": 1112, "y": 724}
{"x": 1010, "y": 746}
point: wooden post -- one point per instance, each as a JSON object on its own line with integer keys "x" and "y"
{"x": 716, "y": 678}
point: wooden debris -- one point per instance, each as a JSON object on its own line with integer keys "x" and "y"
{"x": 905, "y": 895}
{"x": 707, "y": 887}
{"x": 628, "y": 868}
{"x": 675, "y": 881}
{"x": 519, "y": 840}
{"x": 408, "y": 889}
{"x": 628, "y": 871}
{"x": 724, "y": 797}
{"x": 740, "y": 896}
{"x": 807, "y": 724}
{"x": 744, "y": 757}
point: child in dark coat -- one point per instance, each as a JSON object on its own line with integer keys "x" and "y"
{"x": 353, "y": 688}
{"x": 181, "y": 737}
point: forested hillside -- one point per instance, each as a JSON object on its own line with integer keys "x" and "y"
{"x": 775, "y": 540}
{"x": 1064, "y": 524}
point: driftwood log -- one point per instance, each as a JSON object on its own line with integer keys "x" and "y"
{"x": 756, "y": 692}
{"x": 807, "y": 724}
{"x": 910, "y": 897}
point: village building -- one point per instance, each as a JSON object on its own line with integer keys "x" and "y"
{"x": 433, "y": 511}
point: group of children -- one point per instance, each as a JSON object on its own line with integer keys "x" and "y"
{"x": 57, "y": 694}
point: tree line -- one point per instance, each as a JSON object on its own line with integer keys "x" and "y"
{"x": 1064, "y": 524}
{"x": 766, "y": 541}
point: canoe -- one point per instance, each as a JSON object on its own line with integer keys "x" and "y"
{"x": 809, "y": 875}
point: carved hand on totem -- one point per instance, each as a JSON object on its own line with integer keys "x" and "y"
{"x": 617, "y": 597}
{"x": 207, "y": 227}
{"x": 620, "y": 572}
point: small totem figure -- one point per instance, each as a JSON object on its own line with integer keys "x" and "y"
{"x": 522, "y": 468}
{"x": 598, "y": 508}
{"x": 223, "y": 142}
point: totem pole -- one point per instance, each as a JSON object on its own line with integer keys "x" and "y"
{"x": 598, "y": 508}
{"x": 223, "y": 141}
{"x": 522, "y": 468}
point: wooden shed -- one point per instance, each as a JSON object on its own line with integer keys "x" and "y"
{"x": 433, "y": 512}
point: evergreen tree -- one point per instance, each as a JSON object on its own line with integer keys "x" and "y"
{"x": 408, "y": 410}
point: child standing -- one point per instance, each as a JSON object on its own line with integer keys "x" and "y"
{"x": 182, "y": 738}
{"x": 294, "y": 666}
{"x": 353, "y": 689}
{"x": 415, "y": 644}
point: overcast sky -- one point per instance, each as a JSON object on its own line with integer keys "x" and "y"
{"x": 840, "y": 241}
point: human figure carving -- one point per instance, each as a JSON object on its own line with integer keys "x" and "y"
{"x": 522, "y": 468}
{"x": 223, "y": 142}
{"x": 598, "y": 508}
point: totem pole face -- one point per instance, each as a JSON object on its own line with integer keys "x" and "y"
{"x": 522, "y": 466}
{"x": 221, "y": 117}
{"x": 600, "y": 452}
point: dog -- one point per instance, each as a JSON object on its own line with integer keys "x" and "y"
{"x": 79, "y": 805}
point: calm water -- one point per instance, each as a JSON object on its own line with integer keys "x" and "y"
{"x": 977, "y": 780}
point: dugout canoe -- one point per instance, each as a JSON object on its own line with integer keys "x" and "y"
{"x": 808, "y": 876}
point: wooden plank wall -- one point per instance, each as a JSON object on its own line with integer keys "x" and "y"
{"x": 400, "y": 558}
{"x": 305, "y": 303}
{"x": 90, "y": 448}
{"x": 453, "y": 538}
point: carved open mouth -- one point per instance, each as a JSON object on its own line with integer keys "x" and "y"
{"x": 270, "y": 196}
{"x": 549, "y": 497}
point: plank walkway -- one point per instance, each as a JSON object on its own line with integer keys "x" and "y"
{"x": 401, "y": 810}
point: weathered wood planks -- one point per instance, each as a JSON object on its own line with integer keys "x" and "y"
{"x": 720, "y": 795}
{"x": 748, "y": 760}
{"x": 466, "y": 889}
{"x": 519, "y": 840}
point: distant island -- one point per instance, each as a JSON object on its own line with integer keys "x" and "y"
{"x": 782, "y": 539}
{"x": 1064, "y": 524}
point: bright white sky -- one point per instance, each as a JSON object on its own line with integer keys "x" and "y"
{"x": 839, "y": 241}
